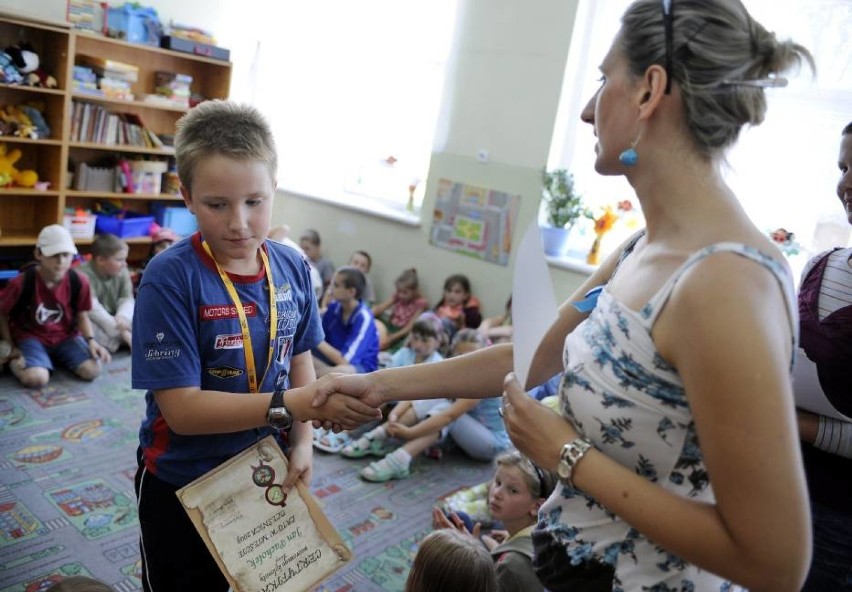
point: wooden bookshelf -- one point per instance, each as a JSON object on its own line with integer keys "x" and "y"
{"x": 23, "y": 212}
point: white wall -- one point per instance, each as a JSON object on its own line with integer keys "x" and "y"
{"x": 501, "y": 95}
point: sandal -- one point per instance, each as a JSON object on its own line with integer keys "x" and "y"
{"x": 328, "y": 441}
{"x": 384, "y": 470}
{"x": 365, "y": 445}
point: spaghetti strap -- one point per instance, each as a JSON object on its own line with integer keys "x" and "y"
{"x": 782, "y": 274}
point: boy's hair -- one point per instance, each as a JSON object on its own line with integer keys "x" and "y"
{"x": 312, "y": 236}
{"x": 408, "y": 279}
{"x": 225, "y": 128}
{"x": 107, "y": 245}
{"x": 457, "y": 278}
{"x": 540, "y": 482}
{"x": 352, "y": 277}
{"x": 468, "y": 336}
{"x": 79, "y": 584}
{"x": 450, "y": 560}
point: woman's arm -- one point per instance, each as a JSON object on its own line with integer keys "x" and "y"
{"x": 733, "y": 355}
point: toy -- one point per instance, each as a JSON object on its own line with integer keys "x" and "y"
{"x": 9, "y": 174}
{"x": 17, "y": 122}
{"x": 35, "y": 111}
{"x": 8, "y": 72}
{"x": 26, "y": 60}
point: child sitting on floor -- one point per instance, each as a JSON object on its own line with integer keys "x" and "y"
{"x": 423, "y": 343}
{"x": 351, "y": 342}
{"x": 459, "y": 307}
{"x": 515, "y": 494}
{"x": 112, "y": 292}
{"x": 396, "y": 315}
{"x": 473, "y": 424}
{"x": 449, "y": 560}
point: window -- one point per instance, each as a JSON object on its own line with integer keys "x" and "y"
{"x": 784, "y": 171}
{"x": 353, "y": 92}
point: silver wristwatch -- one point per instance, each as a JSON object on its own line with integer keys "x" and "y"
{"x": 571, "y": 454}
{"x": 278, "y": 416}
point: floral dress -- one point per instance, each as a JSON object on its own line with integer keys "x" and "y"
{"x": 622, "y": 395}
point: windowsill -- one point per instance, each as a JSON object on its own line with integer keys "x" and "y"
{"x": 571, "y": 264}
{"x": 365, "y": 205}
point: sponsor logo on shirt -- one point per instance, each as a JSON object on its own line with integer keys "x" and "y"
{"x": 285, "y": 345}
{"x": 216, "y": 312}
{"x": 283, "y": 293}
{"x": 229, "y": 341}
{"x": 161, "y": 348}
{"x": 225, "y": 372}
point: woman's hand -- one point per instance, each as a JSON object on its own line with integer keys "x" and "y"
{"x": 535, "y": 430}
{"x": 359, "y": 386}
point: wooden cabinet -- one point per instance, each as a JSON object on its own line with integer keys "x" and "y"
{"x": 23, "y": 212}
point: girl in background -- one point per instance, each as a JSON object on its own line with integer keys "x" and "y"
{"x": 459, "y": 308}
{"x": 396, "y": 316}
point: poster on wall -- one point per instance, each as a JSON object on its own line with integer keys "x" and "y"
{"x": 474, "y": 221}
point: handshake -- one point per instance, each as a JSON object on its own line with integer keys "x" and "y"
{"x": 336, "y": 401}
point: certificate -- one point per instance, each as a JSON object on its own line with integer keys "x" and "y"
{"x": 262, "y": 539}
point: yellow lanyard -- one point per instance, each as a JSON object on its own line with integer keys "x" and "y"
{"x": 248, "y": 349}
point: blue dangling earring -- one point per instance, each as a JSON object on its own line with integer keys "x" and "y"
{"x": 630, "y": 157}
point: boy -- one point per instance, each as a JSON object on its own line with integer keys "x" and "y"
{"x": 44, "y": 314}
{"x": 224, "y": 326}
{"x": 311, "y": 245}
{"x": 352, "y": 341}
{"x": 112, "y": 291}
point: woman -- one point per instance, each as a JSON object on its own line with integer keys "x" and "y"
{"x": 825, "y": 310}
{"x": 691, "y": 341}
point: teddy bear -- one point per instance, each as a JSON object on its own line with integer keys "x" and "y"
{"x": 26, "y": 60}
{"x": 9, "y": 174}
{"x": 17, "y": 123}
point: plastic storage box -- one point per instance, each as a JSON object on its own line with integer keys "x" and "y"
{"x": 179, "y": 219}
{"x": 134, "y": 23}
{"x": 147, "y": 176}
{"x": 80, "y": 224}
{"x": 130, "y": 225}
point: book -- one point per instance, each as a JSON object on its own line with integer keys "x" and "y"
{"x": 261, "y": 538}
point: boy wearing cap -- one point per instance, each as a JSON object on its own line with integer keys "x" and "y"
{"x": 44, "y": 314}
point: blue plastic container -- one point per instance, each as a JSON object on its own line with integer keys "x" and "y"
{"x": 136, "y": 24}
{"x": 179, "y": 219}
{"x": 132, "y": 224}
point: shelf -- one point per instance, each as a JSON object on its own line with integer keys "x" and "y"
{"x": 84, "y": 37}
{"x": 33, "y": 89}
{"x": 23, "y": 191}
{"x": 81, "y": 96}
{"x": 133, "y": 240}
{"x": 123, "y": 148}
{"x": 17, "y": 239}
{"x": 37, "y": 142}
{"x": 114, "y": 195}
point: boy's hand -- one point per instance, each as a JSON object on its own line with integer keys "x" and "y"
{"x": 99, "y": 352}
{"x": 300, "y": 466}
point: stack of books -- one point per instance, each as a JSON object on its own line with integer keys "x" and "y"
{"x": 94, "y": 123}
{"x": 115, "y": 79}
{"x": 173, "y": 87}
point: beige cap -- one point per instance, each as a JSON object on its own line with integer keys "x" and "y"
{"x": 55, "y": 239}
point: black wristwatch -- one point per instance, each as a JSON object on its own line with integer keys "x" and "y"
{"x": 278, "y": 416}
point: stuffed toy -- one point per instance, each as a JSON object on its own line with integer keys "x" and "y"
{"x": 9, "y": 174}
{"x": 26, "y": 60}
{"x": 8, "y": 72}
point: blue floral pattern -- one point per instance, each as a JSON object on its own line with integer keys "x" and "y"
{"x": 630, "y": 402}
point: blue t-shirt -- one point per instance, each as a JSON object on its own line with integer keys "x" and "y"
{"x": 186, "y": 333}
{"x": 357, "y": 339}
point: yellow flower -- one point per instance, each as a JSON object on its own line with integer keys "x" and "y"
{"x": 605, "y": 221}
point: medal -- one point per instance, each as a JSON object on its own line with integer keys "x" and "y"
{"x": 263, "y": 475}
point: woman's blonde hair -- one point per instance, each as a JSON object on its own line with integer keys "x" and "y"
{"x": 717, "y": 53}
{"x": 451, "y": 561}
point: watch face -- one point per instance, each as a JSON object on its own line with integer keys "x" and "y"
{"x": 563, "y": 470}
{"x": 279, "y": 417}
{"x": 275, "y": 495}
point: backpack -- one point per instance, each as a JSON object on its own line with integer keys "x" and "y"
{"x": 25, "y": 298}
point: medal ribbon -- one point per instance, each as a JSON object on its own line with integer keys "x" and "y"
{"x": 248, "y": 349}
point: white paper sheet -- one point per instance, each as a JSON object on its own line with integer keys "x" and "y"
{"x": 807, "y": 390}
{"x": 533, "y": 303}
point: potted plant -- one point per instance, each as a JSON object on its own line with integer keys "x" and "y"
{"x": 564, "y": 208}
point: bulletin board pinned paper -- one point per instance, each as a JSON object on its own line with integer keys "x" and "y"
{"x": 474, "y": 221}
{"x": 259, "y": 540}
